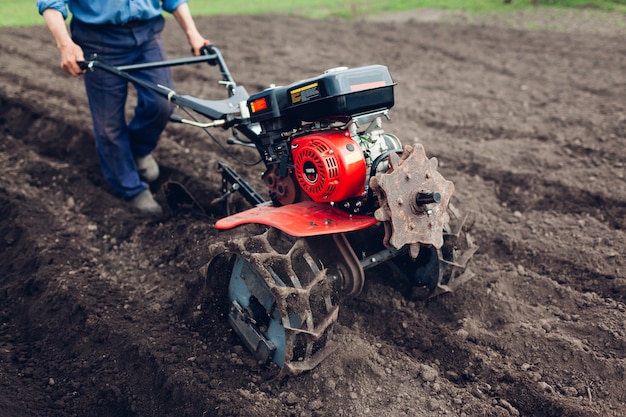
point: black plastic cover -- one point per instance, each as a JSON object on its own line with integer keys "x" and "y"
{"x": 336, "y": 93}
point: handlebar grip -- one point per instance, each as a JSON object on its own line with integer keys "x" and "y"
{"x": 207, "y": 48}
{"x": 84, "y": 65}
{"x": 176, "y": 118}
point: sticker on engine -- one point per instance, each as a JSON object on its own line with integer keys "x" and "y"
{"x": 367, "y": 86}
{"x": 305, "y": 93}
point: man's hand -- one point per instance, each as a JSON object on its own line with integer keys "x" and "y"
{"x": 198, "y": 46}
{"x": 71, "y": 53}
{"x": 184, "y": 19}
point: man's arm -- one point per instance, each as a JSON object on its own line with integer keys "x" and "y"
{"x": 184, "y": 19}
{"x": 71, "y": 53}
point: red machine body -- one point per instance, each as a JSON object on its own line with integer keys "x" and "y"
{"x": 301, "y": 219}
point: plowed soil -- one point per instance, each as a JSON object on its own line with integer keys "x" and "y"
{"x": 106, "y": 313}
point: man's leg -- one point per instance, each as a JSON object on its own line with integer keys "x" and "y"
{"x": 107, "y": 97}
{"x": 152, "y": 111}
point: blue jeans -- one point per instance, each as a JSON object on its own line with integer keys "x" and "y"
{"x": 119, "y": 142}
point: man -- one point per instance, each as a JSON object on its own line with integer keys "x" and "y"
{"x": 121, "y": 32}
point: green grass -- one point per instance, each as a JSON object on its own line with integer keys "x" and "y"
{"x": 24, "y": 12}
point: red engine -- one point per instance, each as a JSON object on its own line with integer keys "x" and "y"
{"x": 329, "y": 166}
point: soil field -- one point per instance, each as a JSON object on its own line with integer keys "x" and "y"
{"x": 106, "y": 313}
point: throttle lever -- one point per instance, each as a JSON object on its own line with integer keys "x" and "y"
{"x": 215, "y": 123}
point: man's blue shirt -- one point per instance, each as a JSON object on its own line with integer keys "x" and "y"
{"x": 111, "y": 11}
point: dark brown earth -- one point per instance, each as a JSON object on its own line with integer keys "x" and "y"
{"x": 105, "y": 313}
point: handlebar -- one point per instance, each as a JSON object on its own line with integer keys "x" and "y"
{"x": 227, "y": 109}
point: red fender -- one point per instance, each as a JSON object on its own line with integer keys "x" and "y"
{"x": 302, "y": 219}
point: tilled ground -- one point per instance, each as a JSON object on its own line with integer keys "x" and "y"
{"x": 105, "y": 313}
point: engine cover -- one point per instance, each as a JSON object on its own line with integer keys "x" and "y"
{"x": 338, "y": 92}
{"x": 329, "y": 166}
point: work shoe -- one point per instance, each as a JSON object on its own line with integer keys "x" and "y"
{"x": 145, "y": 203}
{"x": 147, "y": 168}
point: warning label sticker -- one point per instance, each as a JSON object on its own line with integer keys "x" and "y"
{"x": 305, "y": 93}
